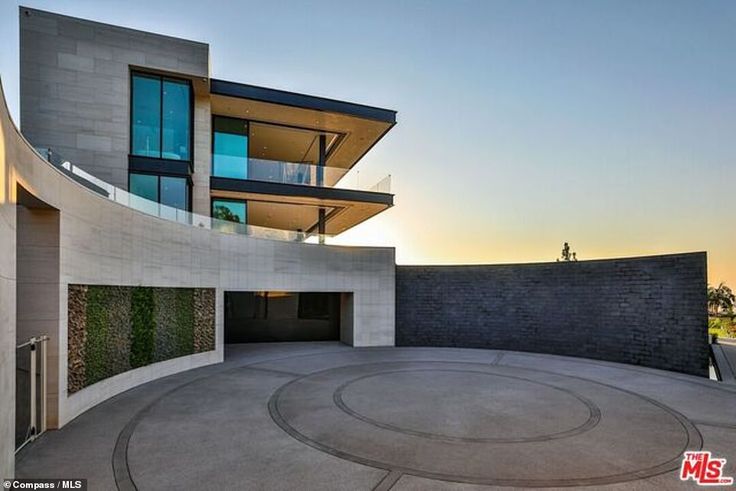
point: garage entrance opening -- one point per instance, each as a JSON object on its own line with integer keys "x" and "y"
{"x": 258, "y": 317}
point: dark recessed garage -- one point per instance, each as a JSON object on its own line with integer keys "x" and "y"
{"x": 258, "y": 317}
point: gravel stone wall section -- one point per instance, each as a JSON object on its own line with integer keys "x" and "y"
{"x": 118, "y": 313}
{"x": 77, "y": 336}
{"x": 100, "y": 328}
{"x": 648, "y": 311}
{"x": 165, "y": 317}
{"x": 204, "y": 319}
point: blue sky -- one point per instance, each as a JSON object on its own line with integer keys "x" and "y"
{"x": 522, "y": 124}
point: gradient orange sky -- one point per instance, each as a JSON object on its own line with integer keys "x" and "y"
{"x": 522, "y": 124}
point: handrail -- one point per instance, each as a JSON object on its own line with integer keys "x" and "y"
{"x": 36, "y": 415}
{"x": 305, "y": 174}
{"x": 33, "y": 340}
{"x": 170, "y": 213}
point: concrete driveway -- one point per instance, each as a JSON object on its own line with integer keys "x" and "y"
{"x": 326, "y": 416}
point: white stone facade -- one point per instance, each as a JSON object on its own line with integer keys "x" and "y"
{"x": 102, "y": 242}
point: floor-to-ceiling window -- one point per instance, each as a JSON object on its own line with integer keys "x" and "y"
{"x": 174, "y": 192}
{"x": 230, "y": 148}
{"x": 268, "y": 152}
{"x": 167, "y": 190}
{"x": 144, "y": 185}
{"x": 161, "y": 117}
{"x": 230, "y": 210}
{"x": 161, "y": 139}
{"x": 146, "y": 116}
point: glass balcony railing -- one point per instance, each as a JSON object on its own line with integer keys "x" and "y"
{"x": 305, "y": 174}
{"x": 170, "y": 213}
{"x": 294, "y": 173}
{"x": 382, "y": 186}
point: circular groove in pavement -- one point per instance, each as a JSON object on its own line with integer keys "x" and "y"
{"x": 594, "y": 412}
{"x": 693, "y": 441}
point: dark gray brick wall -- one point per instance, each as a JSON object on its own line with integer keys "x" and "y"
{"x": 648, "y": 311}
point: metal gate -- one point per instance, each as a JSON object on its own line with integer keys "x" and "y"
{"x": 30, "y": 390}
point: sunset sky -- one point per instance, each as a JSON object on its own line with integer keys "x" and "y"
{"x": 522, "y": 124}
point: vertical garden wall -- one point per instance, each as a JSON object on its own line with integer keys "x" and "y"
{"x": 113, "y": 329}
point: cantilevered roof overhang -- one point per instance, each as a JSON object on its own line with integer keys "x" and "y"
{"x": 348, "y": 207}
{"x": 359, "y": 126}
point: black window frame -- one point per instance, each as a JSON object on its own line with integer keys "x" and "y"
{"x": 158, "y": 175}
{"x": 142, "y": 163}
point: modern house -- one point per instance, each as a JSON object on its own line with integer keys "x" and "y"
{"x": 142, "y": 112}
{"x": 140, "y": 117}
{"x": 150, "y": 214}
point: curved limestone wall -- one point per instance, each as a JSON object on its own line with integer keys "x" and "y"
{"x": 103, "y": 243}
{"x": 7, "y": 305}
{"x": 647, "y": 311}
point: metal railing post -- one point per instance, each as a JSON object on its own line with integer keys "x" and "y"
{"x": 36, "y": 427}
{"x": 33, "y": 387}
{"x": 44, "y": 364}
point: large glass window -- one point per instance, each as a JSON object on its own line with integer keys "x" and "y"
{"x": 230, "y": 148}
{"x": 161, "y": 117}
{"x": 231, "y": 211}
{"x": 176, "y": 120}
{"x": 144, "y": 185}
{"x": 267, "y": 152}
{"x": 146, "y": 116}
{"x": 170, "y": 191}
{"x": 174, "y": 192}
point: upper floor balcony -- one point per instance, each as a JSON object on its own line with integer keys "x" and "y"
{"x": 305, "y": 174}
{"x": 287, "y": 160}
{"x": 274, "y": 152}
{"x": 292, "y": 195}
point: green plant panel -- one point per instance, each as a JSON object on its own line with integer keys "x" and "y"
{"x": 96, "y": 363}
{"x": 113, "y": 329}
{"x": 142, "y": 327}
{"x": 118, "y": 317}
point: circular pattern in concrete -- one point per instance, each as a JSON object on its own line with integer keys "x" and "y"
{"x": 338, "y": 418}
{"x": 270, "y": 417}
{"x": 482, "y": 423}
{"x": 466, "y": 405}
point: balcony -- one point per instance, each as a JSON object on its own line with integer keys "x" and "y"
{"x": 305, "y": 174}
{"x": 169, "y": 213}
{"x": 291, "y": 195}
